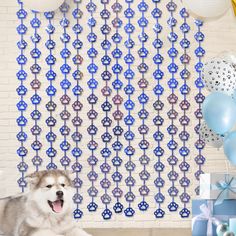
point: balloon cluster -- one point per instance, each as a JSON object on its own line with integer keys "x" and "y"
{"x": 219, "y": 108}
{"x": 223, "y": 230}
{"x": 42, "y": 5}
{"x": 208, "y": 9}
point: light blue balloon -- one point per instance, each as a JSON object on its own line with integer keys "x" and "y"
{"x": 219, "y": 112}
{"x": 234, "y": 95}
{"x": 230, "y": 147}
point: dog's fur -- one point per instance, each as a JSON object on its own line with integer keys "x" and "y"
{"x": 33, "y": 213}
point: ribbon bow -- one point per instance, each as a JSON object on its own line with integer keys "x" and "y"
{"x": 207, "y": 214}
{"x": 234, "y": 6}
{"x": 226, "y": 186}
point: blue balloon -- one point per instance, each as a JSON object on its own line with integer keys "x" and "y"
{"x": 230, "y": 147}
{"x": 219, "y": 112}
{"x": 234, "y": 95}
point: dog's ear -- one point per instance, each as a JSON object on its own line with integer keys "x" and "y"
{"x": 70, "y": 174}
{"x": 34, "y": 178}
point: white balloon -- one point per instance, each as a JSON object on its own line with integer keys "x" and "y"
{"x": 207, "y": 8}
{"x": 221, "y": 229}
{"x": 229, "y": 56}
{"x": 209, "y": 137}
{"x": 219, "y": 76}
{"x": 229, "y": 234}
{"x": 43, "y": 5}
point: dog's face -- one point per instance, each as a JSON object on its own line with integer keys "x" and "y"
{"x": 52, "y": 191}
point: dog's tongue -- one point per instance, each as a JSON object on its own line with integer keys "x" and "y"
{"x": 57, "y": 206}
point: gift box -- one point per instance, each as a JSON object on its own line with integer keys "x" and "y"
{"x": 218, "y": 187}
{"x": 207, "y": 215}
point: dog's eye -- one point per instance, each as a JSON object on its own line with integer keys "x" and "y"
{"x": 49, "y": 186}
{"x": 63, "y": 185}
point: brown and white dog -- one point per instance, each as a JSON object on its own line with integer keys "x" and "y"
{"x": 46, "y": 210}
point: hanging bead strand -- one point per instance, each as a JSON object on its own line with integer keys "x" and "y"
{"x": 118, "y": 115}
{"x": 35, "y": 85}
{"x": 92, "y": 100}
{"x": 158, "y": 106}
{"x": 77, "y": 107}
{"x": 106, "y": 107}
{"x": 129, "y": 106}
{"x": 172, "y": 114}
{"x": 184, "y": 119}
{"x": 51, "y": 91}
{"x": 21, "y": 92}
{"x": 65, "y": 85}
{"x": 199, "y": 98}
{"x": 143, "y": 100}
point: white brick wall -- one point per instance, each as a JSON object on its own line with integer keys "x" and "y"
{"x": 220, "y": 35}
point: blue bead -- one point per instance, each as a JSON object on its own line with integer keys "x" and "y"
{"x": 199, "y": 36}
{"x": 129, "y": 74}
{"x": 92, "y": 68}
{"x": 129, "y": 212}
{"x": 159, "y": 213}
{"x": 184, "y": 13}
{"x": 129, "y": 28}
{"x": 21, "y": 14}
{"x": 158, "y": 43}
{"x": 106, "y": 214}
{"x": 92, "y": 22}
{"x": 129, "y": 135}
{"x": 22, "y": 151}
{"x": 22, "y": 44}
{"x": 22, "y": 136}
{"x": 117, "y": 69}
{"x": 143, "y": 22}
{"x": 35, "y": 23}
{"x": 118, "y": 208}
{"x": 92, "y": 52}
{"x": 78, "y": 214}
{"x": 173, "y": 206}
{"x": 77, "y": 28}
{"x": 173, "y": 68}
{"x": 49, "y": 15}
{"x": 143, "y": 206}
{"x": 116, "y": 38}
{"x": 185, "y": 213}
{"x": 156, "y": 13}
{"x": 91, "y": 7}
{"x": 185, "y": 43}
{"x": 92, "y": 207}
{"x": 35, "y": 99}
{"x": 35, "y": 38}
{"x": 129, "y": 13}
{"x": 21, "y": 59}
{"x": 142, "y": 6}
{"x": 21, "y": 29}
{"x": 185, "y": 28}
{"x": 171, "y": 6}
{"x": 77, "y": 13}
{"x": 158, "y": 59}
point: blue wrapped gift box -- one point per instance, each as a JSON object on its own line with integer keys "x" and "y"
{"x": 207, "y": 215}
{"x": 218, "y": 186}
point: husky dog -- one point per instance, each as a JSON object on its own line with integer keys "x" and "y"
{"x": 46, "y": 210}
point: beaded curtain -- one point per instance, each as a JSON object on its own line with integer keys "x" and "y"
{"x": 112, "y": 91}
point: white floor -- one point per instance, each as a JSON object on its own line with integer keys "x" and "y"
{"x": 139, "y": 232}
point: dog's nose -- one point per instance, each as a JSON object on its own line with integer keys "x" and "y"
{"x": 59, "y": 194}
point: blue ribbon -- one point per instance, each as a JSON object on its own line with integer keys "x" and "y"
{"x": 225, "y": 186}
